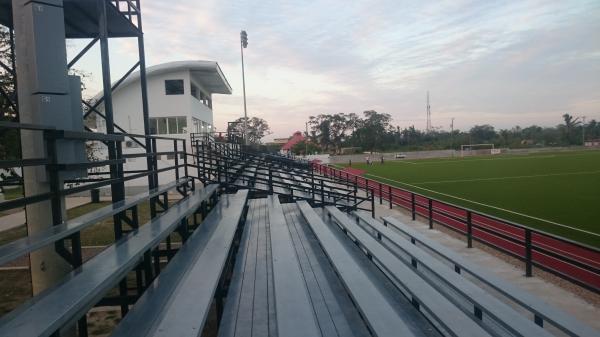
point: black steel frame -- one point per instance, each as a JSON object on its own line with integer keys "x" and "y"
{"x": 234, "y": 167}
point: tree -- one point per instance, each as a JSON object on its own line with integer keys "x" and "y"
{"x": 9, "y": 138}
{"x": 305, "y": 147}
{"x": 329, "y": 131}
{"x": 372, "y": 132}
{"x": 571, "y": 124}
{"x": 482, "y": 134}
{"x": 257, "y": 128}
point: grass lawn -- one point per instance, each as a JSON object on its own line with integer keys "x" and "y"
{"x": 555, "y": 192}
{"x": 13, "y": 193}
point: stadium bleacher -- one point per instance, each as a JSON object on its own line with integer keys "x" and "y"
{"x": 282, "y": 251}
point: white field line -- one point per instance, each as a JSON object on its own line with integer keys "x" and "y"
{"x": 400, "y": 161}
{"x": 490, "y": 206}
{"x": 425, "y": 161}
{"x": 506, "y": 178}
{"x": 455, "y": 160}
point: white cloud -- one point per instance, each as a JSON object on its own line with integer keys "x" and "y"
{"x": 498, "y": 62}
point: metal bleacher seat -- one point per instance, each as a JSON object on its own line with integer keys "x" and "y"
{"x": 16, "y": 248}
{"x": 465, "y": 294}
{"x": 282, "y": 283}
{"x": 69, "y": 300}
{"x": 179, "y": 300}
{"x": 540, "y": 309}
{"x": 294, "y": 311}
{"x": 378, "y": 308}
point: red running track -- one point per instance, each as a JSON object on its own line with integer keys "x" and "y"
{"x": 568, "y": 259}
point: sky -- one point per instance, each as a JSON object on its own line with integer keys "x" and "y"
{"x": 503, "y": 63}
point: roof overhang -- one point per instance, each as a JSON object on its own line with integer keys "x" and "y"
{"x": 207, "y": 73}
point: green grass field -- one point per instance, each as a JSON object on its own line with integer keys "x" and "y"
{"x": 555, "y": 192}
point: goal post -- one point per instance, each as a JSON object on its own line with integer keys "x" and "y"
{"x": 477, "y": 149}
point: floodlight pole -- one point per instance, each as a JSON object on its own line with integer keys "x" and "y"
{"x": 244, "y": 44}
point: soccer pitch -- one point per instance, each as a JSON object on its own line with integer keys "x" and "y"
{"x": 555, "y": 192}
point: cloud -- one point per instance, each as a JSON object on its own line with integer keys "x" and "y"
{"x": 497, "y": 62}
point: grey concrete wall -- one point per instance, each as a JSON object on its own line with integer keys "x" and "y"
{"x": 360, "y": 158}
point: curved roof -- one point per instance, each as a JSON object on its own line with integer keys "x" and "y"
{"x": 208, "y": 73}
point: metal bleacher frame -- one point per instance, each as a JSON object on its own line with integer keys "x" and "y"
{"x": 238, "y": 167}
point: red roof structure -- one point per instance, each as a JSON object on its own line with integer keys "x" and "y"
{"x": 296, "y": 138}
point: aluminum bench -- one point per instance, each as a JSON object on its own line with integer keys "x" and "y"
{"x": 424, "y": 296}
{"x": 179, "y": 300}
{"x": 377, "y": 308}
{"x": 541, "y": 310}
{"x": 69, "y": 300}
{"x": 294, "y": 310}
{"x": 20, "y": 247}
{"x": 464, "y": 292}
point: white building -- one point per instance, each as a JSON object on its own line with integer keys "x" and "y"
{"x": 180, "y": 103}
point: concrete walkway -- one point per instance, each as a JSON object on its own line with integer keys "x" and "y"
{"x": 17, "y": 219}
{"x": 566, "y": 296}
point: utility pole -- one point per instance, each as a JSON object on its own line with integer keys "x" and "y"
{"x": 243, "y": 45}
{"x": 452, "y": 134}
{"x": 428, "y": 114}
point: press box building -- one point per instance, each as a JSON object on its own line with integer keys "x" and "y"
{"x": 180, "y": 102}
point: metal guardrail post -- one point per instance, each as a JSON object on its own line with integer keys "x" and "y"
{"x": 176, "y": 159}
{"x": 312, "y": 183}
{"x": 372, "y": 204}
{"x": 218, "y": 171}
{"x": 270, "y": 180}
{"x": 430, "y": 209}
{"x": 528, "y": 261}
{"x": 390, "y": 195}
{"x": 185, "y": 166}
{"x": 322, "y": 193}
{"x": 203, "y": 158}
{"x": 226, "y": 162}
{"x": 413, "y": 206}
{"x": 380, "y": 193}
{"x": 469, "y": 230}
{"x": 355, "y": 189}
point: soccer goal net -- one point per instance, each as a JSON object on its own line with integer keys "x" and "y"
{"x": 477, "y": 149}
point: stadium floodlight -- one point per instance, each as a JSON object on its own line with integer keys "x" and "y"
{"x": 243, "y": 45}
{"x": 474, "y": 149}
{"x": 244, "y": 39}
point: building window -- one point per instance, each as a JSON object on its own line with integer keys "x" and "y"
{"x": 181, "y": 125}
{"x": 162, "y": 126}
{"x": 168, "y": 125}
{"x": 172, "y": 121}
{"x": 174, "y": 87}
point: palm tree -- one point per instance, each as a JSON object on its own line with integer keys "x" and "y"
{"x": 570, "y": 124}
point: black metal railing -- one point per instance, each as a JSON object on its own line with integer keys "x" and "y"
{"x": 574, "y": 261}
